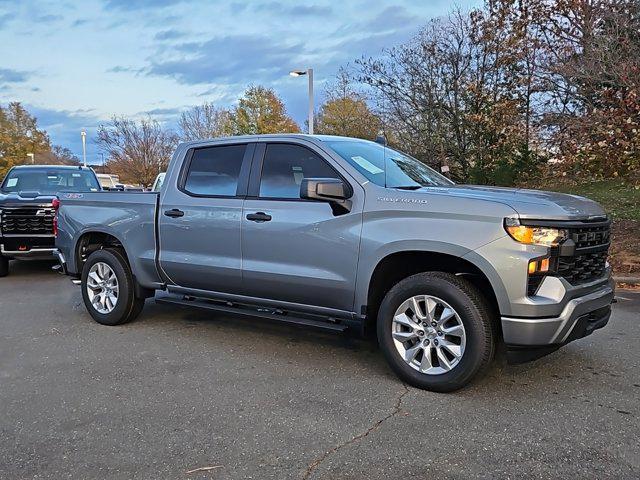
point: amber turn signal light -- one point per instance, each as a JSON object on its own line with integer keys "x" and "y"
{"x": 538, "y": 266}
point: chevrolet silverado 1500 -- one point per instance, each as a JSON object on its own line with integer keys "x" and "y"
{"x": 345, "y": 233}
{"x": 27, "y": 205}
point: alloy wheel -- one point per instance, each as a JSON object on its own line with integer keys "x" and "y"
{"x": 102, "y": 288}
{"x": 428, "y": 334}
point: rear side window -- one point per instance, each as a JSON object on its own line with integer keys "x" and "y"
{"x": 215, "y": 170}
{"x": 285, "y": 166}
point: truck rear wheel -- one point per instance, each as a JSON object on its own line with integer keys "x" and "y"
{"x": 108, "y": 288}
{"x": 4, "y": 266}
{"x": 436, "y": 331}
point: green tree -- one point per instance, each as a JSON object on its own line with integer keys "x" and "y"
{"x": 19, "y": 136}
{"x": 345, "y": 112}
{"x": 260, "y": 110}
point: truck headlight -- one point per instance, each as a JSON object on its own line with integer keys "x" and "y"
{"x": 532, "y": 235}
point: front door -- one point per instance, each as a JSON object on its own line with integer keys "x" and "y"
{"x": 200, "y": 219}
{"x": 297, "y": 250}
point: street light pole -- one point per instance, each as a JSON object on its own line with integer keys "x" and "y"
{"x": 309, "y": 74}
{"x": 83, "y": 134}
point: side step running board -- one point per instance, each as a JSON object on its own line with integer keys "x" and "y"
{"x": 238, "y": 309}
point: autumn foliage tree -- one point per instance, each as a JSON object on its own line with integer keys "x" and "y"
{"x": 496, "y": 92}
{"x": 260, "y": 110}
{"x": 592, "y": 70}
{"x": 19, "y": 136}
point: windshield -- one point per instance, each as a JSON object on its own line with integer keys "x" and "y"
{"x": 387, "y": 167}
{"x": 49, "y": 181}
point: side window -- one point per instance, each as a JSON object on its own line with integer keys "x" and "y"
{"x": 285, "y": 166}
{"x": 215, "y": 170}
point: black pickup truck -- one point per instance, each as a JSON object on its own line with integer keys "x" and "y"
{"x": 28, "y": 199}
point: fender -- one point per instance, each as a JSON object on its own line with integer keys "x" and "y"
{"x": 72, "y": 263}
{"x": 366, "y": 269}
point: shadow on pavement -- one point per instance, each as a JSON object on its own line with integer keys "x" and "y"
{"x": 24, "y": 268}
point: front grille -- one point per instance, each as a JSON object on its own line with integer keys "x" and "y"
{"x": 586, "y": 237}
{"x": 27, "y": 221}
{"x": 582, "y": 258}
{"x": 582, "y": 268}
{"x": 589, "y": 259}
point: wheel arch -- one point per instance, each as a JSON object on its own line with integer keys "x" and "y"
{"x": 92, "y": 240}
{"x": 400, "y": 264}
{"x": 95, "y": 239}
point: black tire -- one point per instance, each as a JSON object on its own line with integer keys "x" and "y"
{"x": 474, "y": 312}
{"x": 128, "y": 307}
{"x": 4, "y": 266}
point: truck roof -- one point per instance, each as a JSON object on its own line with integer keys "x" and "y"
{"x": 62, "y": 167}
{"x": 271, "y": 136}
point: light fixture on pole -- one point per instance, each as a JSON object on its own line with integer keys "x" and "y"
{"x": 309, "y": 74}
{"x": 83, "y": 134}
{"x": 32, "y": 157}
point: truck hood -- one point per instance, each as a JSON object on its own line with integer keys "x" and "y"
{"x": 25, "y": 199}
{"x": 533, "y": 204}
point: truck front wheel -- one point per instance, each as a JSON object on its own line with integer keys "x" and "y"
{"x": 4, "y": 266}
{"x": 108, "y": 288}
{"x": 436, "y": 331}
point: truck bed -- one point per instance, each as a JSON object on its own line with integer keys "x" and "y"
{"x": 130, "y": 217}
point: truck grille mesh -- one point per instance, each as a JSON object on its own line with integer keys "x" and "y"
{"x": 27, "y": 221}
{"x": 588, "y": 262}
{"x": 590, "y": 258}
{"x": 582, "y": 268}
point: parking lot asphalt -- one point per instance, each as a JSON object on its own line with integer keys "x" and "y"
{"x": 190, "y": 394}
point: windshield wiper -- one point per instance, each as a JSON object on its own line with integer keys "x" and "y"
{"x": 408, "y": 187}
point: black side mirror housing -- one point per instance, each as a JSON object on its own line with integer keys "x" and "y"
{"x": 331, "y": 190}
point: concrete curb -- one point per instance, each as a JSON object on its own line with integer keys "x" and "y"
{"x": 626, "y": 279}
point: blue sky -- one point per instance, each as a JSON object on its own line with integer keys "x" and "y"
{"x": 76, "y": 64}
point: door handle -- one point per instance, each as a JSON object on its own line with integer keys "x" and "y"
{"x": 258, "y": 217}
{"x": 174, "y": 212}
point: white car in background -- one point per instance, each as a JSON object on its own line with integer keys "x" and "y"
{"x": 109, "y": 182}
{"x": 112, "y": 182}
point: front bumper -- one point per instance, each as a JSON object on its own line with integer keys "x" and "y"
{"x": 36, "y": 253}
{"x": 558, "y": 330}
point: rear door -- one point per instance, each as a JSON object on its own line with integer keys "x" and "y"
{"x": 297, "y": 250}
{"x": 200, "y": 219}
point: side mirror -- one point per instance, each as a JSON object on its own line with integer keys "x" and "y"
{"x": 331, "y": 190}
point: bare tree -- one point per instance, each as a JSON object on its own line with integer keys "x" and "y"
{"x": 137, "y": 150}
{"x": 59, "y": 155}
{"x": 205, "y": 121}
{"x": 460, "y": 93}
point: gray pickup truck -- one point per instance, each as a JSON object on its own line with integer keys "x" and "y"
{"x": 345, "y": 233}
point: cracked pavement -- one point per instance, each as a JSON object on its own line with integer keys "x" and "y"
{"x": 232, "y": 398}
